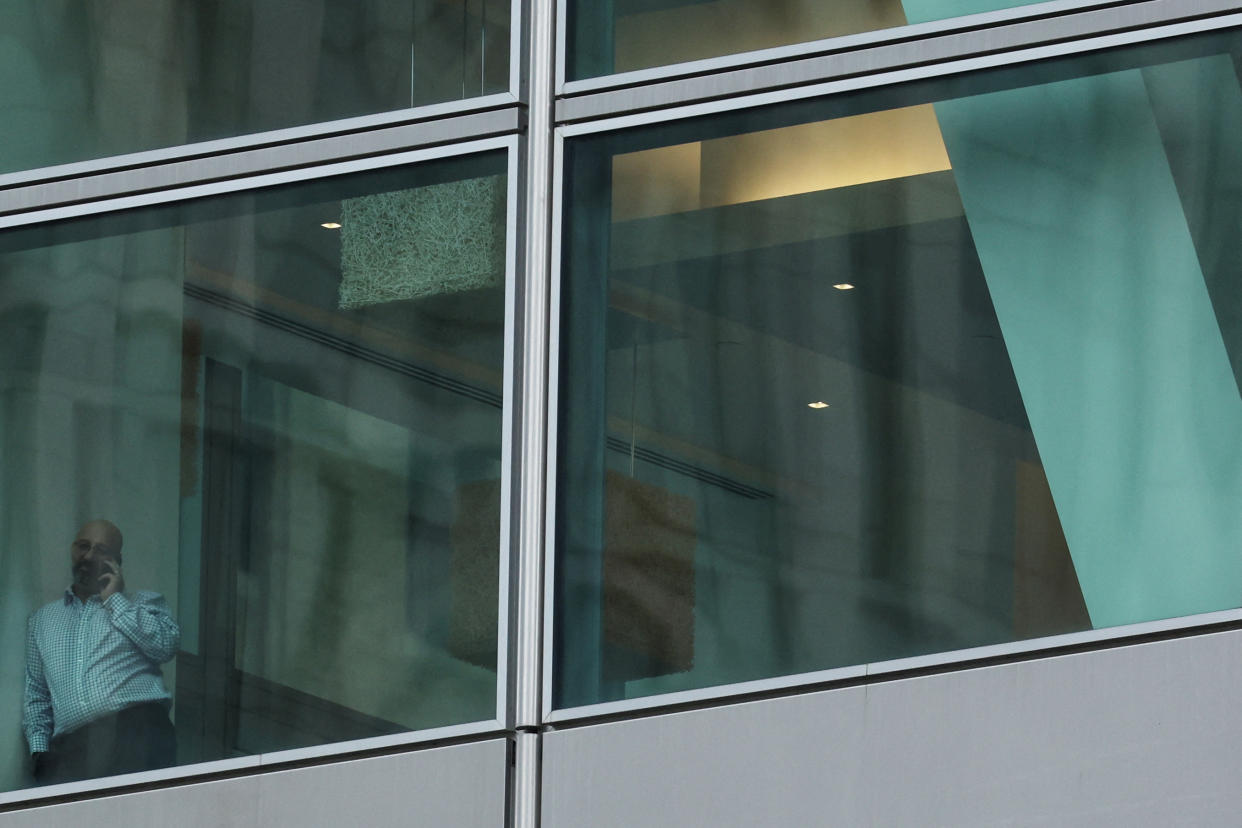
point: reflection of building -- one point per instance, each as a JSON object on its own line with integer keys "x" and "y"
{"x": 991, "y": 575}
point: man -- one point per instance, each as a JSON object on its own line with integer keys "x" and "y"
{"x": 95, "y": 701}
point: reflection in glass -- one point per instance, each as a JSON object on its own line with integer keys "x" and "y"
{"x": 608, "y": 36}
{"x": 894, "y": 375}
{"x": 94, "y": 701}
{"x": 289, "y": 402}
{"x": 89, "y": 80}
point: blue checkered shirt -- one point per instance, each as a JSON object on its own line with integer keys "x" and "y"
{"x": 86, "y": 660}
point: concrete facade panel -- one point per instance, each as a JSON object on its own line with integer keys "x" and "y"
{"x": 461, "y": 786}
{"x": 1145, "y": 734}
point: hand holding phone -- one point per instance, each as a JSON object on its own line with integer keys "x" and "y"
{"x": 111, "y": 580}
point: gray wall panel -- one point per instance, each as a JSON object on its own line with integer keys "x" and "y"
{"x": 460, "y": 786}
{"x": 1146, "y": 734}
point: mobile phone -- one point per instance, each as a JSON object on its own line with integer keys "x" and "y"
{"x": 99, "y": 567}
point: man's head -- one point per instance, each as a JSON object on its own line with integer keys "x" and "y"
{"x": 96, "y": 541}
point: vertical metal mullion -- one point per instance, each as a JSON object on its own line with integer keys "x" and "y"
{"x": 534, "y": 388}
{"x": 530, "y": 483}
{"x": 524, "y": 782}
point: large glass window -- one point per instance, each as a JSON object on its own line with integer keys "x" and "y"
{"x": 608, "y": 36}
{"x": 250, "y": 461}
{"x": 901, "y": 372}
{"x": 89, "y": 80}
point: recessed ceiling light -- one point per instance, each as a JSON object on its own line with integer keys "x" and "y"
{"x": 331, "y": 225}
{"x": 817, "y": 404}
{"x": 844, "y": 286}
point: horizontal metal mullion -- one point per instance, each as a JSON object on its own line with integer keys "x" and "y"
{"x": 239, "y": 766}
{"x": 167, "y": 195}
{"x": 842, "y": 43}
{"x": 888, "y": 57}
{"x": 876, "y": 80}
{"x": 968, "y": 659}
{"x": 255, "y": 140}
{"x": 157, "y": 175}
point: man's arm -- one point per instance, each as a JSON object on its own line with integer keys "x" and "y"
{"x": 37, "y": 700}
{"x": 146, "y": 621}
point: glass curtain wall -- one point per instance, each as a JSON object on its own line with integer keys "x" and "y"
{"x": 90, "y": 80}
{"x": 276, "y": 418}
{"x": 892, "y": 373}
{"x": 607, "y": 36}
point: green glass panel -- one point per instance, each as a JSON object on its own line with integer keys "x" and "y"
{"x": 911, "y": 371}
{"x": 291, "y": 408}
{"x": 90, "y": 80}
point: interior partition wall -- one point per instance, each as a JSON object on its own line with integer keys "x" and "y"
{"x": 458, "y": 373}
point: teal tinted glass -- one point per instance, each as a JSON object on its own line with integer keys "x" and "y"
{"x": 90, "y": 80}
{"x": 896, "y": 373}
{"x": 607, "y": 36}
{"x": 288, "y": 403}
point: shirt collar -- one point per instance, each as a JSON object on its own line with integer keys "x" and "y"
{"x": 71, "y": 599}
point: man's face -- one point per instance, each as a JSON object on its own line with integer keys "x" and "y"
{"x": 96, "y": 542}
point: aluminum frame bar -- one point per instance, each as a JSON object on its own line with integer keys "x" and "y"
{"x": 823, "y": 46}
{"x": 923, "y": 54}
{"x": 887, "y": 670}
{"x": 531, "y": 472}
{"x": 251, "y": 161}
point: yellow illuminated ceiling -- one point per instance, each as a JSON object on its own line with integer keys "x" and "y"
{"x": 656, "y": 182}
{"x": 781, "y": 162}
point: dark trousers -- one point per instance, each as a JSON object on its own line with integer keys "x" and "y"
{"x": 135, "y": 739}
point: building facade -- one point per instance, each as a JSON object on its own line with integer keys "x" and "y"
{"x": 642, "y": 412}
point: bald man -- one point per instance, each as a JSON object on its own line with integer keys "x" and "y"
{"x": 95, "y": 701}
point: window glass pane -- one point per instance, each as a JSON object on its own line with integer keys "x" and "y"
{"x": 286, "y": 405}
{"x": 608, "y": 36}
{"x": 89, "y": 80}
{"x": 902, "y": 372}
